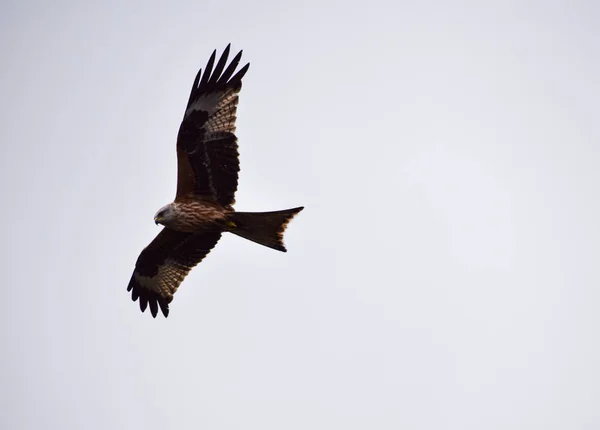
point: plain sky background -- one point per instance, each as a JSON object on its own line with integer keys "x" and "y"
{"x": 444, "y": 274}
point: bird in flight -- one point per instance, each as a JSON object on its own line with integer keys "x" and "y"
{"x": 207, "y": 176}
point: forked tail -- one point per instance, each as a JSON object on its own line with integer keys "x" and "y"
{"x": 265, "y": 228}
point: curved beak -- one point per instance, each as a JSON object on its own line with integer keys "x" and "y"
{"x": 156, "y": 220}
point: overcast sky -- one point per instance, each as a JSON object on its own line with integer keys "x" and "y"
{"x": 444, "y": 274}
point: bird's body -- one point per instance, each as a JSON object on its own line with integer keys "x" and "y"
{"x": 192, "y": 215}
{"x": 207, "y": 175}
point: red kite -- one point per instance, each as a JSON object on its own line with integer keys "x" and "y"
{"x": 207, "y": 176}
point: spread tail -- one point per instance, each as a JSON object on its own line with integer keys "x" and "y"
{"x": 265, "y": 228}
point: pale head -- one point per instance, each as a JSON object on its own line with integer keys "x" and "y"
{"x": 165, "y": 215}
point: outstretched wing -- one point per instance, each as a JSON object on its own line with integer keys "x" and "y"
{"x": 207, "y": 155}
{"x": 163, "y": 265}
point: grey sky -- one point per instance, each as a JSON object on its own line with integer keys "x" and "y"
{"x": 444, "y": 274}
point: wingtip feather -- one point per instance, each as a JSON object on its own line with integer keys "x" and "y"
{"x": 216, "y": 74}
{"x": 143, "y": 303}
{"x": 153, "y": 307}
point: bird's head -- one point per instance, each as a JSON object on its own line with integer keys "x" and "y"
{"x": 165, "y": 215}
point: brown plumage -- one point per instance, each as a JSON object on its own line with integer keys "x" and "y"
{"x": 207, "y": 176}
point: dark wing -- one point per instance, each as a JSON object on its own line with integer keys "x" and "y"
{"x": 163, "y": 265}
{"x": 207, "y": 155}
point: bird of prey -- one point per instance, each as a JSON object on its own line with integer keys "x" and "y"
{"x": 207, "y": 176}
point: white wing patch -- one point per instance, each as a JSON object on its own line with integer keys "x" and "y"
{"x": 212, "y": 102}
{"x": 208, "y": 103}
{"x": 166, "y": 281}
{"x": 224, "y": 118}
